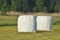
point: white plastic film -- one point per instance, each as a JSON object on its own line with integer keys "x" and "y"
{"x": 26, "y": 23}
{"x": 44, "y": 23}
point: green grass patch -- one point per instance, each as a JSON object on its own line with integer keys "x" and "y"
{"x": 8, "y": 20}
{"x": 12, "y": 20}
{"x": 56, "y": 20}
{"x": 9, "y": 32}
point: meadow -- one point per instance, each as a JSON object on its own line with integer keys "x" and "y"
{"x": 8, "y": 30}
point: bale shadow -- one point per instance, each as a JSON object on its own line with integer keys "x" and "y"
{"x": 25, "y": 33}
{"x": 56, "y": 22}
{"x": 56, "y": 30}
{"x": 48, "y": 31}
{"x": 43, "y": 31}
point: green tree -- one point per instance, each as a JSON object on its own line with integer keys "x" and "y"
{"x": 19, "y": 6}
{"x": 39, "y": 5}
{"x": 13, "y": 5}
{"x": 3, "y": 7}
{"x": 56, "y": 5}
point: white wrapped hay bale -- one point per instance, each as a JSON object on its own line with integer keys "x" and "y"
{"x": 27, "y": 23}
{"x": 44, "y": 23}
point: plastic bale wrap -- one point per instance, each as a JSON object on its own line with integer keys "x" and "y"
{"x": 44, "y": 23}
{"x": 27, "y": 23}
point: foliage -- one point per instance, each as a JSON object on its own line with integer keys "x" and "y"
{"x": 30, "y": 5}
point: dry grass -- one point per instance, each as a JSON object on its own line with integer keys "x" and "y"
{"x": 14, "y": 13}
{"x": 37, "y": 14}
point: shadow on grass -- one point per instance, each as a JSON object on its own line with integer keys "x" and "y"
{"x": 25, "y": 33}
{"x": 43, "y": 31}
{"x": 56, "y": 22}
{"x": 57, "y": 30}
{"x": 8, "y": 24}
{"x": 33, "y": 32}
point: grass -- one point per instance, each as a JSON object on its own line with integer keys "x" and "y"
{"x": 10, "y": 32}
{"x": 56, "y": 20}
{"x": 8, "y": 20}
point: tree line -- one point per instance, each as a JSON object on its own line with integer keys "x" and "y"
{"x": 30, "y": 5}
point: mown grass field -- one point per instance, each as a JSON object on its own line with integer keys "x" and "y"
{"x": 10, "y": 32}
